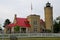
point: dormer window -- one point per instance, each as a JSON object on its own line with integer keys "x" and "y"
{"x": 26, "y": 22}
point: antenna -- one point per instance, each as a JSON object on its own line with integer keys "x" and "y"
{"x": 31, "y": 6}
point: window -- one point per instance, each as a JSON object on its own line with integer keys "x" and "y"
{"x": 26, "y": 22}
{"x": 35, "y": 26}
{"x": 23, "y": 30}
{"x": 35, "y": 29}
{"x": 35, "y": 22}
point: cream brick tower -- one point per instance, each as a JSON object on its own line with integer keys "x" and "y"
{"x": 34, "y": 21}
{"x": 48, "y": 17}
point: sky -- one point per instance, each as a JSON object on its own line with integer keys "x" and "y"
{"x": 23, "y": 8}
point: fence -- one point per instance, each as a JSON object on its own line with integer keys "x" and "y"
{"x": 19, "y": 35}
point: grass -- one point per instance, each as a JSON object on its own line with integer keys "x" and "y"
{"x": 37, "y": 38}
{"x": 42, "y": 38}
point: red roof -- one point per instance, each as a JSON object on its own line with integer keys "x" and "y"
{"x": 41, "y": 22}
{"x": 22, "y": 22}
{"x": 11, "y": 25}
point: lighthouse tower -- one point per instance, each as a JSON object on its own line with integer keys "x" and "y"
{"x": 48, "y": 16}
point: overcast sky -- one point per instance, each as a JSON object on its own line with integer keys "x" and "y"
{"x": 23, "y": 8}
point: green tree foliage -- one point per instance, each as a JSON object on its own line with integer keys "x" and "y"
{"x": 16, "y": 28}
{"x": 56, "y": 27}
{"x": 48, "y": 31}
{"x": 7, "y": 21}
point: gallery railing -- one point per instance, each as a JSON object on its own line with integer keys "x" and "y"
{"x": 19, "y": 35}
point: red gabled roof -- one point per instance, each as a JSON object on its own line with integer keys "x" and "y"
{"x": 22, "y": 22}
{"x": 11, "y": 25}
{"x": 42, "y": 22}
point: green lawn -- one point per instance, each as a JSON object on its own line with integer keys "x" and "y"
{"x": 42, "y": 38}
{"x": 39, "y": 39}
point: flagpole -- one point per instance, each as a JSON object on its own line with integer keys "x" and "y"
{"x": 31, "y": 8}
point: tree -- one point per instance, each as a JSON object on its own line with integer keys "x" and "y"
{"x": 59, "y": 26}
{"x": 56, "y": 27}
{"x": 17, "y": 28}
{"x": 7, "y": 21}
